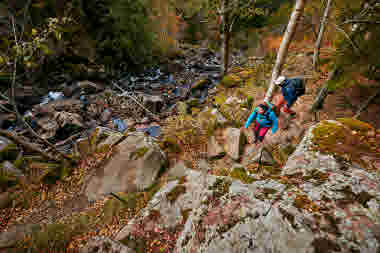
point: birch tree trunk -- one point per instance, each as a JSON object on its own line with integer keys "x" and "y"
{"x": 283, "y": 51}
{"x": 227, "y": 38}
{"x": 222, "y": 34}
{"x": 320, "y": 34}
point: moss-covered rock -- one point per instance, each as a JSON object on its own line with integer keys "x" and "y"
{"x": 346, "y": 138}
{"x": 8, "y": 149}
{"x": 220, "y": 187}
{"x": 231, "y": 80}
{"x": 200, "y": 84}
{"x": 241, "y": 174}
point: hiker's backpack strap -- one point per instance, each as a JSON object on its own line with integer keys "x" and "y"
{"x": 267, "y": 109}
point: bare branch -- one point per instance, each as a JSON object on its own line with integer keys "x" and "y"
{"x": 19, "y": 140}
{"x": 361, "y": 21}
{"x": 125, "y": 93}
{"x": 356, "y": 48}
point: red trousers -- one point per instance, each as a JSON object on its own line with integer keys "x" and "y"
{"x": 260, "y": 132}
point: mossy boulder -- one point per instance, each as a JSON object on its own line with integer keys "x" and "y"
{"x": 241, "y": 174}
{"x": 346, "y": 138}
{"x": 200, "y": 84}
{"x": 134, "y": 166}
{"x": 182, "y": 108}
{"x": 8, "y": 149}
{"x": 231, "y": 80}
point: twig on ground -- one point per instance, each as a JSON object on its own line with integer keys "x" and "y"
{"x": 126, "y": 93}
{"x": 19, "y": 140}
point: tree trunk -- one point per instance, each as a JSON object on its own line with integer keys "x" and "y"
{"x": 222, "y": 28}
{"x": 319, "y": 100}
{"x": 320, "y": 34}
{"x": 290, "y": 31}
{"x": 227, "y": 39}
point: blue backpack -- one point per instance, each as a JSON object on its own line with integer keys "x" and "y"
{"x": 297, "y": 84}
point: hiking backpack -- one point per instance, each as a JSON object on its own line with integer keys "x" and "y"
{"x": 268, "y": 109}
{"x": 298, "y": 85}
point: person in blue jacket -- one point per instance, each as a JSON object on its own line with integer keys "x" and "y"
{"x": 265, "y": 119}
{"x": 291, "y": 90}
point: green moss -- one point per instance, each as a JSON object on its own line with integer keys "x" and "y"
{"x": 241, "y": 174}
{"x": 231, "y": 80}
{"x": 175, "y": 193}
{"x": 9, "y": 152}
{"x": 328, "y": 134}
{"x": 355, "y": 124}
{"x": 340, "y": 141}
{"x": 170, "y": 144}
{"x": 200, "y": 84}
{"x": 319, "y": 176}
{"x": 288, "y": 150}
{"x": 137, "y": 244}
{"x": 272, "y": 170}
{"x": 139, "y": 153}
{"x": 220, "y": 187}
{"x": 303, "y": 202}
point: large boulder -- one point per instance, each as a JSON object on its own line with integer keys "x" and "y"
{"x": 102, "y": 244}
{"x": 10, "y": 169}
{"x": 16, "y": 233}
{"x": 235, "y": 140}
{"x": 214, "y": 149}
{"x": 319, "y": 202}
{"x": 133, "y": 167}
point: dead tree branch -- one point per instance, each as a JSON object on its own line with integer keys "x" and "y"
{"x": 366, "y": 104}
{"x": 19, "y": 140}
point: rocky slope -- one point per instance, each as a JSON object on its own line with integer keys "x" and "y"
{"x": 320, "y": 201}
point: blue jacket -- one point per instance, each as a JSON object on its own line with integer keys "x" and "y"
{"x": 289, "y": 92}
{"x": 262, "y": 120}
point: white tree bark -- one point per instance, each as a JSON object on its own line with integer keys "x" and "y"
{"x": 222, "y": 36}
{"x": 281, "y": 55}
{"x": 320, "y": 34}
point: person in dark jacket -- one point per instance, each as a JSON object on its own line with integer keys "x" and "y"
{"x": 291, "y": 90}
{"x": 265, "y": 119}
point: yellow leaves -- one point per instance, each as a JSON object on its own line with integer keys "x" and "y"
{"x": 39, "y": 5}
{"x": 34, "y": 32}
{"x": 43, "y": 196}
